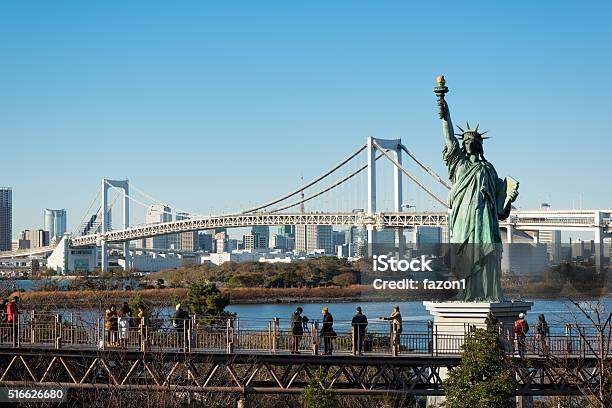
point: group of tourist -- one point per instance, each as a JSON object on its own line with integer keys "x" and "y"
{"x": 117, "y": 324}
{"x": 521, "y": 328}
{"x": 359, "y": 322}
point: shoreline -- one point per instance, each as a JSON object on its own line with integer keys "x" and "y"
{"x": 238, "y": 296}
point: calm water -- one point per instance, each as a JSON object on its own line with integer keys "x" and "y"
{"x": 557, "y": 312}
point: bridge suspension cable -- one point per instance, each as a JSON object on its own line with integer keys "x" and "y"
{"x": 145, "y": 205}
{"x": 365, "y": 166}
{"x": 96, "y": 196}
{"x": 410, "y": 176}
{"x": 426, "y": 168}
{"x": 313, "y": 182}
{"x": 156, "y": 201}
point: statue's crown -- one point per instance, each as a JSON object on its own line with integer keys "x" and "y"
{"x": 469, "y": 133}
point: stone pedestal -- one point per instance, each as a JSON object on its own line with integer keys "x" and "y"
{"x": 453, "y": 316}
{"x": 453, "y": 319}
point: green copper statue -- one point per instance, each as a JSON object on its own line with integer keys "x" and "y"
{"x": 477, "y": 200}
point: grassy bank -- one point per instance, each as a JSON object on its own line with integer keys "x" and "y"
{"x": 166, "y": 296}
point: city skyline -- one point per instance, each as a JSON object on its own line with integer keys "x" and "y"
{"x": 125, "y": 88}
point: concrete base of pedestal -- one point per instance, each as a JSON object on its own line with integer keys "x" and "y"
{"x": 457, "y": 318}
{"x": 453, "y": 316}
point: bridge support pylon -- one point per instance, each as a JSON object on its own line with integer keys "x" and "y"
{"x": 105, "y": 227}
{"x": 393, "y": 145}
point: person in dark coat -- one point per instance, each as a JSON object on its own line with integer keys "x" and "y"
{"x": 492, "y": 322}
{"x": 327, "y": 332}
{"x": 359, "y": 323}
{"x": 181, "y": 325}
{"x": 297, "y": 330}
{"x": 542, "y": 332}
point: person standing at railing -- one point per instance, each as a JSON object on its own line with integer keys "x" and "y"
{"x": 396, "y": 328}
{"x": 297, "y": 330}
{"x": 12, "y": 317}
{"x": 181, "y": 324}
{"x": 492, "y": 323}
{"x": 123, "y": 322}
{"x": 110, "y": 323}
{"x": 327, "y": 332}
{"x": 142, "y": 323}
{"x": 359, "y": 324}
{"x": 542, "y": 333}
{"x": 521, "y": 327}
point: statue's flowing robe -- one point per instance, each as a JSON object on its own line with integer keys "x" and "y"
{"x": 474, "y": 227}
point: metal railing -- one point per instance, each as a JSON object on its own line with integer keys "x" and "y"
{"x": 231, "y": 335}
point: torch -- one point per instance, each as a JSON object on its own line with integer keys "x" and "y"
{"x": 440, "y": 90}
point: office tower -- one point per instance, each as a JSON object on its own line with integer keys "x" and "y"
{"x": 221, "y": 240}
{"x": 6, "y": 218}
{"x": 156, "y": 214}
{"x": 309, "y": 238}
{"x": 205, "y": 241}
{"x": 55, "y": 222}
{"x": 186, "y": 241}
{"x": 428, "y": 236}
{"x": 286, "y": 230}
{"x": 338, "y": 238}
{"x": 263, "y": 233}
{"x": 36, "y": 238}
{"x": 552, "y": 239}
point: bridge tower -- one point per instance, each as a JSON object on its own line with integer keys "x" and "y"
{"x": 105, "y": 227}
{"x": 394, "y": 146}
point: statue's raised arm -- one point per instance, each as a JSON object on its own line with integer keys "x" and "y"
{"x": 444, "y": 112}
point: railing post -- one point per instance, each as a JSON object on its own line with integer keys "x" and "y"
{"x": 143, "y": 336}
{"x": 102, "y": 331}
{"x": 568, "y": 335}
{"x": 230, "y": 335}
{"x": 315, "y": 337}
{"x": 58, "y": 331}
{"x": 430, "y": 337}
{"x": 275, "y": 326}
{"x": 394, "y": 346}
{"x": 32, "y": 331}
{"x": 194, "y": 330}
{"x": 187, "y": 342}
{"x": 353, "y": 338}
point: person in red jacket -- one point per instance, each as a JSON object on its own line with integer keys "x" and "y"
{"x": 521, "y": 327}
{"x": 12, "y": 316}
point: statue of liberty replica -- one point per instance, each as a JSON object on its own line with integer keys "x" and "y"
{"x": 478, "y": 200}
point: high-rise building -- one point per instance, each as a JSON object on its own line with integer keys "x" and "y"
{"x": 552, "y": 239}
{"x": 278, "y": 241}
{"x": 263, "y": 232}
{"x": 428, "y": 236}
{"x": 309, "y": 238}
{"x": 36, "y": 238}
{"x": 358, "y": 237}
{"x": 221, "y": 239}
{"x": 286, "y": 230}
{"x": 158, "y": 213}
{"x": 254, "y": 242}
{"x": 338, "y": 238}
{"x": 248, "y": 242}
{"x": 205, "y": 241}
{"x": 55, "y": 222}
{"x": 186, "y": 241}
{"x": 6, "y": 218}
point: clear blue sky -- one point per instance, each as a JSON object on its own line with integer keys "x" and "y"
{"x": 214, "y": 105}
